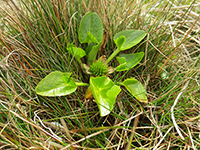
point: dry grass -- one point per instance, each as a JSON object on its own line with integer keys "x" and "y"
{"x": 33, "y": 44}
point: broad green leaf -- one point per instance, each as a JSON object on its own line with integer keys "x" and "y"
{"x": 132, "y": 37}
{"x": 77, "y": 52}
{"x": 120, "y": 41}
{"x": 136, "y": 89}
{"x": 128, "y": 61}
{"x": 56, "y": 84}
{"x": 104, "y": 92}
{"x": 91, "y": 28}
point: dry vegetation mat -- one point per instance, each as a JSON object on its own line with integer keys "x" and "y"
{"x": 34, "y": 37}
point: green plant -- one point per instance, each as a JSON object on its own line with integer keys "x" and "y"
{"x": 100, "y": 85}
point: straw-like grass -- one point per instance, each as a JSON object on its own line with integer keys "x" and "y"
{"x": 33, "y": 40}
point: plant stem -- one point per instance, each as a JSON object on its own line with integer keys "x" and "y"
{"x": 123, "y": 75}
{"x": 82, "y": 84}
{"x": 120, "y": 83}
{"x": 113, "y": 55}
{"x": 133, "y": 132}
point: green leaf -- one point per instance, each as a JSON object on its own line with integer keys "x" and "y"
{"x": 93, "y": 54}
{"x": 104, "y": 92}
{"x": 132, "y": 37}
{"x": 77, "y": 52}
{"x": 120, "y": 41}
{"x": 56, "y": 84}
{"x": 136, "y": 89}
{"x": 91, "y": 28}
{"x": 128, "y": 61}
{"x": 89, "y": 48}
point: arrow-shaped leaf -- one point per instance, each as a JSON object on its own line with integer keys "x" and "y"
{"x": 91, "y": 28}
{"x": 56, "y": 84}
{"x": 136, "y": 89}
{"x": 128, "y": 61}
{"x": 104, "y": 92}
{"x": 132, "y": 37}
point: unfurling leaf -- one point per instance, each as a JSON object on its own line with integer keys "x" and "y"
{"x": 56, "y": 84}
{"x": 91, "y": 56}
{"x": 136, "y": 89}
{"x": 105, "y": 93}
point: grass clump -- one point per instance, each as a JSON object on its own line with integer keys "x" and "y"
{"x": 33, "y": 39}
